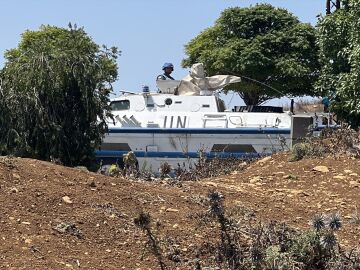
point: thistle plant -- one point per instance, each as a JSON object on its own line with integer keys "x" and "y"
{"x": 216, "y": 208}
{"x": 229, "y": 246}
{"x": 334, "y": 222}
{"x": 143, "y": 221}
{"x": 318, "y": 222}
{"x": 328, "y": 240}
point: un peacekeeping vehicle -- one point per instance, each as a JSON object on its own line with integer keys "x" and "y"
{"x": 185, "y": 118}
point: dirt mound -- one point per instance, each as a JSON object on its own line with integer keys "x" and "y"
{"x": 53, "y": 217}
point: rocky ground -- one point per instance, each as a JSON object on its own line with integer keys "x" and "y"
{"x": 53, "y": 217}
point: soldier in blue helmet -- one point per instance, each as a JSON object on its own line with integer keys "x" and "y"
{"x": 167, "y": 68}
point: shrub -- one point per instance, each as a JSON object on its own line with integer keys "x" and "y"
{"x": 54, "y": 95}
{"x": 342, "y": 140}
{"x": 305, "y": 149}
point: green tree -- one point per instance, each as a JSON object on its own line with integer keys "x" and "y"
{"x": 339, "y": 42}
{"x": 54, "y": 95}
{"x": 262, "y": 43}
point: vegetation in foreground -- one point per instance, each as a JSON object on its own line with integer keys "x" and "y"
{"x": 242, "y": 243}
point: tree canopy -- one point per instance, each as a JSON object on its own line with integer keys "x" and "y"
{"x": 339, "y": 42}
{"x": 262, "y": 43}
{"x": 54, "y": 95}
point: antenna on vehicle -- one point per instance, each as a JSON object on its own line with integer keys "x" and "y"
{"x": 230, "y": 100}
{"x": 263, "y": 84}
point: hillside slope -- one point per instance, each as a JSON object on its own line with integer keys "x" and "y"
{"x": 54, "y": 217}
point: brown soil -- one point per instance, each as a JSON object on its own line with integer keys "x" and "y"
{"x": 93, "y": 228}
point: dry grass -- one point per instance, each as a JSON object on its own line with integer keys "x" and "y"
{"x": 304, "y": 105}
{"x": 333, "y": 142}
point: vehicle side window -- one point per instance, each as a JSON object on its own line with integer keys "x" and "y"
{"x": 120, "y": 105}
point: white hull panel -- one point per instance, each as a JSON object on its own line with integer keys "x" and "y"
{"x": 153, "y": 147}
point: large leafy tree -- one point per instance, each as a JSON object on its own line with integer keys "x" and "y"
{"x": 269, "y": 47}
{"x": 54, "y": 95}
{"x": 339, "y": 42}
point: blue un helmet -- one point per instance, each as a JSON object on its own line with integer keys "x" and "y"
{"x": 168, "y": 65}
{"x": 145, "y": 89}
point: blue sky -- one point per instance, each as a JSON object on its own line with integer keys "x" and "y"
{"x": 148, "y": 32}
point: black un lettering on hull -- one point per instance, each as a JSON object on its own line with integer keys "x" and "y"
{"x": 180, "y": 121}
